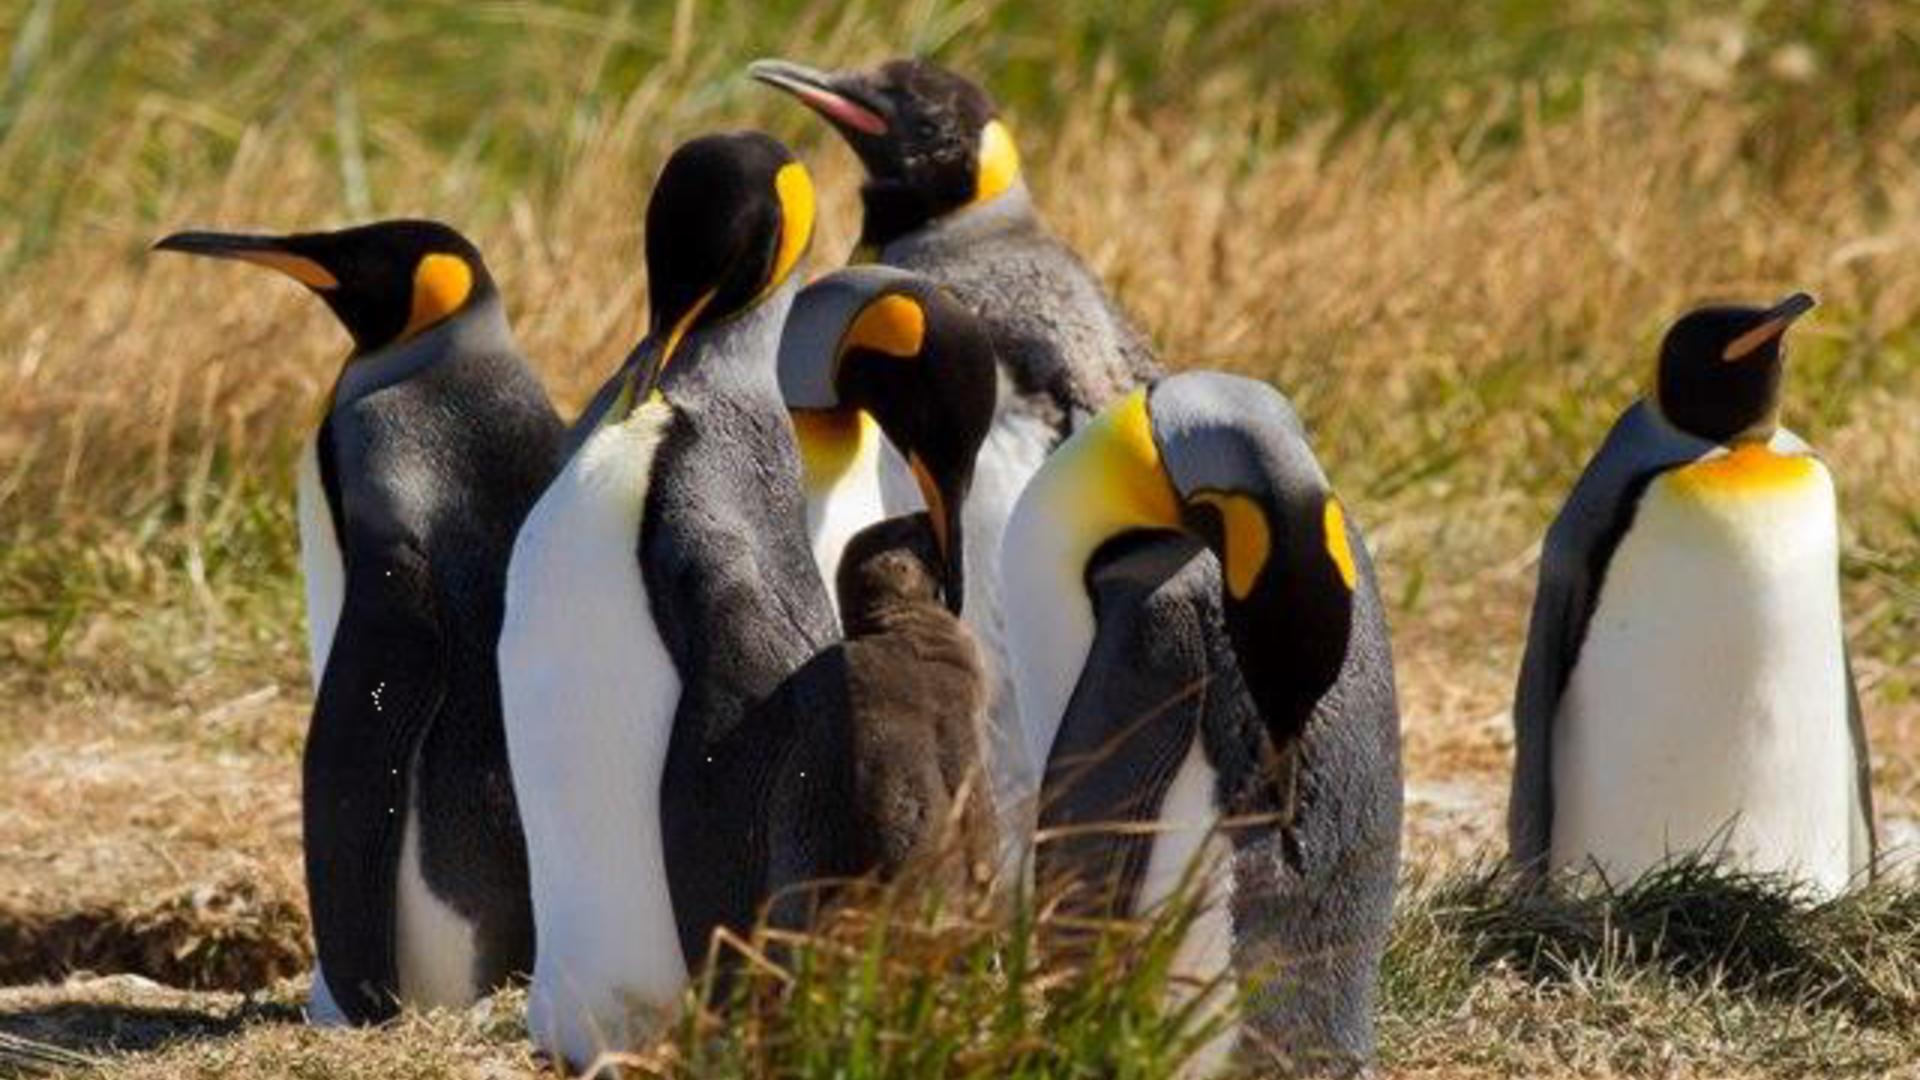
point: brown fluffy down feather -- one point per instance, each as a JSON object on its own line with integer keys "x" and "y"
{"x": 918, "y": 691}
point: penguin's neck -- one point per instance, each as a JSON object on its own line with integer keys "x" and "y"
{"x": 893, "y": 216}
{"x": 481, "y": 326}
{"x": 734, "y": 358}
{"x": 1058, "y": 525}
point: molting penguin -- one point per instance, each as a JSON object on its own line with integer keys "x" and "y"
{"x": 435, "y": 442}
{"x": 1181, "y": 687}
{"x": 662, "y": 589}
{"x": 945, "y": 197}
{"x": 870, "y": 350}
{"x": 1686, "y": 682}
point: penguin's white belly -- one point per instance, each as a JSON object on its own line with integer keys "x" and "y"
{"x": 1015, "y": 448}
{"x": 321, "y": 566}
{"x": 589, "y": 692}
{"x": 434, "y": 951}
{"x": 1189, "y": 848}
{"x": 1708, "y": 707}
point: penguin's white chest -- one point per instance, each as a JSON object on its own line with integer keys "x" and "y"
{"x": 589, "y": 692}
{"x": 1189, "y": 851}
{"x": 1015, "y": 448}
{"x": 845, "y": 494}
{"x": 1708, "y": 707}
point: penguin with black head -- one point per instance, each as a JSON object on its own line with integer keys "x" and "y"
{"x": 435, "y": 440}
{"x": 1686, "y": 686}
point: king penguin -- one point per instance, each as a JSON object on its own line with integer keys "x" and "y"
{"x": 660, "y": 594}
{"x": 435, "y": 441}
{"x": 875, "y": 355}
{"x": 1686, "y": 686}
{"x": 1199, "y": 647}
{"x": 945, "y": 197}
{"x": 874, "y": 358}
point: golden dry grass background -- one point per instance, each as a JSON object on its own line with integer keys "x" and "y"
{"x": 1460, "y": 301}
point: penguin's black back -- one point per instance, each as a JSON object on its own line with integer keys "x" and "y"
{"x": 431, "y": 477}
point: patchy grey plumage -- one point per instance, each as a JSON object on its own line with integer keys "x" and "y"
{"x": 1065, "y": 347}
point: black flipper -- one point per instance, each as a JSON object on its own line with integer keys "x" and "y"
{"x": 384, "y": 685}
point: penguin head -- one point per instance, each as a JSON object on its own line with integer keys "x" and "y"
{"x": 932, "y": 142}
{"x": 1720, "y": 370}
{"x": 728, "y": 222}
{"x": 1224, "y": 459}
{"x": 892, "y": 345}
{"x": 385, "y": 282}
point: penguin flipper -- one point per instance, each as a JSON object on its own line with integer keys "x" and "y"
{"x": 1573, "y": 564}
{"x": 1144, "y": 693}
{"x": 1864, "y": 854}
{"x": 384, "y": 684}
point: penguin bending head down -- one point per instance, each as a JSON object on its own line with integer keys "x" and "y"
{"x": 1686, "y": 686}
{"x": 872, "y": 351}
{"x": 1199, "y": 646}
{"x": 945, "y": 197}
{"x": 435, "y": 441}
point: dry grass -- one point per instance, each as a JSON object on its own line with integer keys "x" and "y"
{"x": 1461, "y": 290}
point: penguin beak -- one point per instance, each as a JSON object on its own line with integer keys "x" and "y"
{"x": 944, "y": 502}
{"x": 273, "y": 252}
{"x": 1772, "y": 325}
{"x": 649, "y": 359}
{"x": 839, "y": 98}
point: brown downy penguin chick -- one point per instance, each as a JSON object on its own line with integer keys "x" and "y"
{"x": 921, "y": 804}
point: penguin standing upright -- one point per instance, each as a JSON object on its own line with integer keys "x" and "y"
{"x": 945, "y": 198}
{"x": 660, "y": 587}
{"x": 1686, "y": 683}
{"x": 1242, "y": 704}
{"x": 435, "y": 442}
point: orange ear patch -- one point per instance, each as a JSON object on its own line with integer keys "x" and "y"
{"x": 441, "y": 284}
{"x": 894, "y": 324}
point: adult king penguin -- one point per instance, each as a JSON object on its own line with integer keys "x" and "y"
{"x": 872, "y": 351}
{"x": 1686, "y": 683}
{"x": 945, "y": 198}
{"x": 659, "y": 594}
{"x": 436, "y": 440}
{"x": 1163, "y": 686}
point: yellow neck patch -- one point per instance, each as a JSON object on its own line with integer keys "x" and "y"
{"x": 1113, "y": 474}
{"x": 999, "y": 163}
{"x": 298, "y": 267}
{"x": 894, "y": 324}
{"x": 1750, "y": 469}
{"x": 795, "y": 190}
{"x": 831, "y": 440}
{"x": 441, "y": 284}
{"x": 1334, "y": 524}
{"x": 1248, "y": 539}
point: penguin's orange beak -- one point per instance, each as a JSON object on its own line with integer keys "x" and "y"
{"x": 268, "y": 251}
